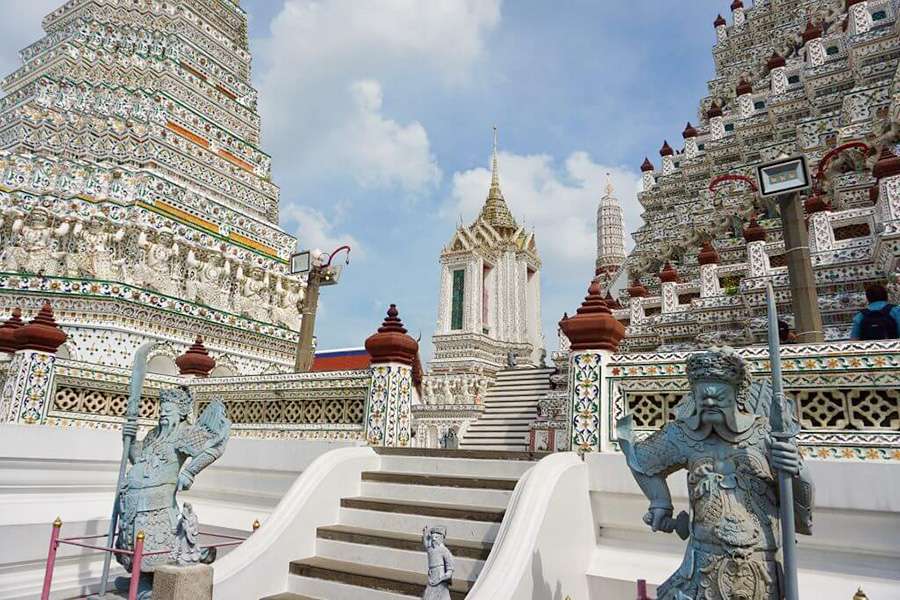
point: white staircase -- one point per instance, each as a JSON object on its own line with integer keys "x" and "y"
{"x": 374, "y": 551}
{"x": 510, "y": 406}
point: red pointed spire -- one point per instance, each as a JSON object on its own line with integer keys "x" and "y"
{"x": 41, "y": 333}
{"x": 689, "y": 131}
{"x": 714, "y": 110}
{"x": 666, "y": 149}
{"x": 196, "y": 360}
{"x": 754, "y": 232}
{"x": 812, "y": 32}
{"x": 707, "y": 254}
{"x": 776, "y": 61}
{"x": 8, "y": 341}
{"x": 736, "y": 5}
{"x": 888, "y": 164}
{"x": 593, "y": 327}
{"x": 744, "y": 87}
{"x": 391, "y": 343}
{"x": 637, "y": 289}
{"x": 720, "y": 21}
{"x": 647, "y": 165}
{"x": 668, "y": 273}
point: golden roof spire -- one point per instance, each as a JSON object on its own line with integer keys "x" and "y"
{"x": 495, "y": 211}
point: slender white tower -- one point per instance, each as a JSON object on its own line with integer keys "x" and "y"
{"x": 610, "y": 234}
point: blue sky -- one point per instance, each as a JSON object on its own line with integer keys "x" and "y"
{"x": 378, "y": 117}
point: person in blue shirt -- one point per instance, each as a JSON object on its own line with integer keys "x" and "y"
{"x": 880, "y": 321}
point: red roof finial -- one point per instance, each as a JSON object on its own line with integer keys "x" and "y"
{"x": 689, "y": 131}
{"x": 888, "y": 164}
{"x": 41, "y": 333}
{"x": 744, "y": 87}
{"x": 707, "y": 254}
{"x": 776, "y": 61}
{"x": 812, "y": 32}
{"x": 637, "y": 289}
{"x": 391, "y": 343}
{"x": 736, "y": 5}
{"x": 8, "y": 341}
{"x": 666, "y": 149}
{"x": 754, "y": 232}
{"x": 720, "y": 21}
{"x": 647, "y": 165}
{"x": 593, "y": 327}
{"x": 714, "y": 110}
{"x": 196, "y": 360}
{"x": 668, "y": 273}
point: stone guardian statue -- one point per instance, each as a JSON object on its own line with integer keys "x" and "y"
{"x": 722, "y": 437}
{"x": 147, "y": 499}
{"x": 440, "y": 564}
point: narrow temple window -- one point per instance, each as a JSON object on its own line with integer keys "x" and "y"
{"x": 456, "y": 315}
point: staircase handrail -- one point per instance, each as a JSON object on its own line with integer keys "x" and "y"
{"x": 550, "y": 507}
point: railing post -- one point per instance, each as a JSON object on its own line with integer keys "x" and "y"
{"x": 51, "y": 558}
{"x": 136, "y": 560}
{"x": 642, "y": 590}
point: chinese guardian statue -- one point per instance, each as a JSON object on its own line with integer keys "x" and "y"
{"x": 722, "y": 438}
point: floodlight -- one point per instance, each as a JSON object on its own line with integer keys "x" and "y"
{"x": 300, "y": 263}
{"x": 784, "y": 175}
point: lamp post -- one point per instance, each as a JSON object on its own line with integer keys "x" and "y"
{"x": 784, "y": 178}
{"x": 320, "y": 272}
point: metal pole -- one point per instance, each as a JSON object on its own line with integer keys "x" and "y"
{"x": 807, "y": 318}
{"x": 781, "y": 432}
{"x": 51, "y": 559}
{"x": 136, "y": 560}
{"x": 139, "y": 370}
{"x": 304, "y": 358}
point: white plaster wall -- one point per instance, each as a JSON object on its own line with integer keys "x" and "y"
{"x": 855, "y": 541}
{"x": 47, "y": 472}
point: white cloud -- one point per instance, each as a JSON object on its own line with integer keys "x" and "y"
{"x": 315, "y": 230}
{"x": 559, "y": 202}
{"x": 328, "y": 68}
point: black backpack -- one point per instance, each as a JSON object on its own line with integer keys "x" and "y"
{"x": 878, "y": 324}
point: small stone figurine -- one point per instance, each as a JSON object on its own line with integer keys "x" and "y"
{"x": 440, "y": 564}
{"x": 511, "y": 360}
{"x": 186, "y": 551}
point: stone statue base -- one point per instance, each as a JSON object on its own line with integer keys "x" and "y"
{"x": 171, "y": 582}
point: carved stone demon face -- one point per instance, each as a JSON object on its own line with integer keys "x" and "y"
{"x": 716, "y": 402}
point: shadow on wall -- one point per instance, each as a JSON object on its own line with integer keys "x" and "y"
{"x": 542, "y": 589}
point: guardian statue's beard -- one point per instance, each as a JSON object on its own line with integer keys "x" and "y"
{"x": 725, "y": 423}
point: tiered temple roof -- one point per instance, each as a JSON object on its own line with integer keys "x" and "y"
{"x": 815, "y": 77}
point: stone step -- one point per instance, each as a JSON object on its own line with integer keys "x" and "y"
{"x": 373, "y": 578}
{"x": 325, "y": 589}
{"x": 433, "y": 493}
{"x": 513, "y": 373}
{"x": 487, "y": 483}
{"x": 288, "y": 596}
{"x": 392, "y": 558}
{"x": 442, "y": 453}
{"x": 491, "y": 446}
{"x": 498, "y": 426}
{"x": 412, "y": 524}
{"x": 400, "y": 541}
{"x": 428, "y": 509}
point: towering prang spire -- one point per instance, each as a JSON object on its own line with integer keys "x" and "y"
{"x": 610, "y": 236}
{"x": 495, "y": 211}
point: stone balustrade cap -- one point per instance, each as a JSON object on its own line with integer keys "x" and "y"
{"x": 8, "y": 340}
{"x": 391, "y": 343}
{"x": 41, "y": 333}
{"x": 593, "y": 327}
{"x": 196, "y": 360}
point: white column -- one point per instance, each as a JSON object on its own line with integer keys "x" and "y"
{"x": 758, "y": 259}
{"x": 388, "y": 405}
{"x": 669, "y": 296}
{"x": 690, "y": 147}
{"x": 821, "y": 234}
{"x": 887, "y": 209}
{"x": 815, "y": 52}
{"x": 589, "y": 400}
{"x": 739, "y": 17}
{"x": 721, "y": 33}
{"x": 29, "y": 384}
{"x": 860, "y": 18}
{"x": 709, "y": 281}
{"x": 445, "y": 302}
{"x": 717, "y": 128}
{"x": 648, "y": 178}
{"x": 745, "y": 102}
{"x": 779, "y": 80}
{"x": 668, "y": 165}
